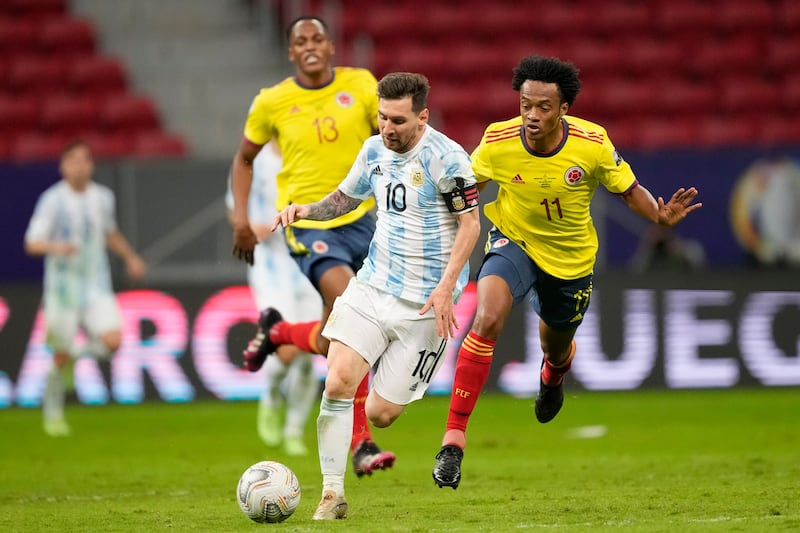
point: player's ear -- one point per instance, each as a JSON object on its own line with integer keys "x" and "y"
{"x": 423, "y": 116}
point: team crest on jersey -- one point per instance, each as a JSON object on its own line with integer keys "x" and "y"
{"x": 319, "y": 247}
{"x": 344, "y": 99}
{"x": 417, "y": 175}
{"x": 574, "y": 175}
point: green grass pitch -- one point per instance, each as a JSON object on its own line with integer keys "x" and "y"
{"x": 666, "y": 461}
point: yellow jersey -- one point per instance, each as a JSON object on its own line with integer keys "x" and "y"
{"x": 319, "y": 132}
{"x": 543, "y": 200}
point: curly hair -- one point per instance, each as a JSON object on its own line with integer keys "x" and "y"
{"x": 548, "y": 70}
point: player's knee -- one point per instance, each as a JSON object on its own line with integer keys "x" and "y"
{"x": 112, "y": 341}
{"x": 340, "y": 383}
{"x": 380, "y": 412}
{"x": 488, "y": 323}
{"x": 61, "y": 358}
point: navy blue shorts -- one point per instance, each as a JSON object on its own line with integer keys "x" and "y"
{"x": 317, "y": 250}
{"x": 560, "y": 303}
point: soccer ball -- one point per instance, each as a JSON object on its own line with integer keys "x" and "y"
{"x": 268, "y": 491}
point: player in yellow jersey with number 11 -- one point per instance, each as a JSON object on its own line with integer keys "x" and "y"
{"x": 319, "y": 117}
{"x": 547, "y": 165}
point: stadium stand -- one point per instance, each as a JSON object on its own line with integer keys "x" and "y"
{"x": 661, "y": 74}
{"x": 56, "y": 84}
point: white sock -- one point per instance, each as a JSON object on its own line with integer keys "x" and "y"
{"x": 274, "y": 372}
{"x": 334, "y": 432}
{"x": 53, "y": 398}
{"x": 302, "y": 389}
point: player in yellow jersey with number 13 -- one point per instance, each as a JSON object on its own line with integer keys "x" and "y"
{"x": 319, "y": 117}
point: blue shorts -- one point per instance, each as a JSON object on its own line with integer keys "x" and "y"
{"x": 317, "y": 250}
{"x": 560, "y": 303}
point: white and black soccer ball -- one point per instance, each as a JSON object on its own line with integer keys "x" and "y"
{"x": 268, "y": 491}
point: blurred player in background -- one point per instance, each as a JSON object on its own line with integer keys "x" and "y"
{"x": 547, "y": 165}
{"x": 72, "y": 226}
{"x": 275, "y": 279}
{"x": 319, "y": 117}
{"x": 399, "y": 308}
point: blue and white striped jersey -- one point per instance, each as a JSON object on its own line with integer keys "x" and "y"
{"x": 415, "y": 229}
{"x": 84, "y": 219}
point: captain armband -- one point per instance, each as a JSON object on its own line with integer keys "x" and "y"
{"x": 461, "y": 198}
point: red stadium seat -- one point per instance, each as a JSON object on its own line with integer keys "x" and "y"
{"x": 787, "y": 16}
{"x": 70, "y": 115}
{"x": 677, "y": 95}
{"x": 727, "y": 131}
{"x": 744, "y": 16}
{"x": 782, "y": 55}
{"x": 672, "y": 17}
{"x": 34, "y": 73}
{"x": 780, "y": 130}
{"x": 645, "y": 55}
{"x": 722, "y": 56}
{"x": 34, "y": 8}
{"x": 17, "y": 35}
{"x": 617, "y": 18}
{"x": 623, "y": 96}
{"x": 66, "y": 36}
{"x": 158, "y": 144}
{"x": 31, "y": 146}
{"x": 744, "y": 94}
{"x": 5, "y": 146}
{"x": 790, "y": 92}
{"x": 667, "y": 133}
{"x": 18, "y": 113}
{"x": 109, "y": 146}
{"x": 594, "y": 55}
{"x": 98, "y": 75}
{"x": 129, "y": 112}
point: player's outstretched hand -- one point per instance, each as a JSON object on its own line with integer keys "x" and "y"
{"x": 244, "y": 242}
{"x": 680, "y": 205}
{"x": 291, "y": 213}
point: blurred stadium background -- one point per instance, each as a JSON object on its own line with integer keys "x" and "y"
{"x": 692, "y": 93}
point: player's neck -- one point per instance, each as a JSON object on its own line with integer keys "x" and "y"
{"x": 316, "y": 79}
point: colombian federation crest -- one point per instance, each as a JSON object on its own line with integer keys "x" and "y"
{"x": 574, "y": 175}
{"x": 319, "y": 247}
{"x": 344, "y": 99}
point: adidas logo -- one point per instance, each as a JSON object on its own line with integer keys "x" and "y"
{"x": 294, "y": 109}
{"x": 577, "y": 317}
{"x": 377, "y": 171}
{"x": 517, "y": 179}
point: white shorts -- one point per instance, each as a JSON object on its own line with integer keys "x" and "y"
{"x": 100, "y": 315}
{"x": 382, "y": 327}
{"x": 276, "y": 281}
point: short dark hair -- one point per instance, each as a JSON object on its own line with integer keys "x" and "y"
{"x": 74, "y": 143}
{"x": 548, "y": 70}
{"x": 397, "y": 85}
{"x": 303, "y": 18}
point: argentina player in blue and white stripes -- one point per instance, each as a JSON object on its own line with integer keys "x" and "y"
{"x": 399, "y": 307}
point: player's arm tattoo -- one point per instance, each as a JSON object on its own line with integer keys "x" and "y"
{"x": 334, "y": 205}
